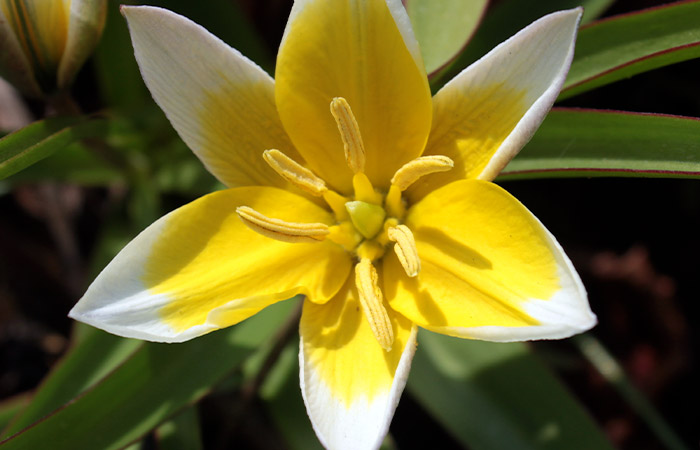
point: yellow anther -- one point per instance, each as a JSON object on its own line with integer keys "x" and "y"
{"x": 281, "y": 230}
{"x": 294, "y": 172}
{"x": 349, "y": 133}
{"x": 372, "y": 303}
{"x": 405, "y": 249}
{"x": 364, "y": 191}
{"x": 412, "y": 170}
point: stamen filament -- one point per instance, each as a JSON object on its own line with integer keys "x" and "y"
{"x": 349, "y": 133}
{"x": 405, "y": 249}
{"x": 294, "y": 172}
{"x": 364, "y": 191}
{"x": 337, "y": 204}
{"x": 393, "y": 203}
{"x": 280, "y": 229}
{"x": 425, "y": 165}
{"x": 372, "y": 303}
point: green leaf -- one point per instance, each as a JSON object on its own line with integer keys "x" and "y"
{"x": 282, "y": 398}
{"x": 181, "y": 432}
{"x": 494, "y": 396}
{"x": 10, "y": 407}
{"x": 573, "y": 142}
{"x": 73, "y": 164}
{"x": 151, "y": 386}
{"x": 92, "y": 357}
{"x": 40, "y": 139}
{"x": 443, "y": 29}
{"x": 623, "y": 46}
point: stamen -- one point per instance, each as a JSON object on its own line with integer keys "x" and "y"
{"x": 393, "y": 203}
{"x": 364, "y": 191}
{"x": 281, "y": 230}
{"x": 345, "y": 235}
{"x": 412, "y": 170}
{"x": 349, "y": 133}
{"x": 337, "y": 204}
{"x": 294, "y": 172}
{"x": 372, "y": 303}
{"x": 405, "y": 249}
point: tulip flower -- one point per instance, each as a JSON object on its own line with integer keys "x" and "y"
{"x": 347, "y": 183}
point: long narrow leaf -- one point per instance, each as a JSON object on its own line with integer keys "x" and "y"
{"x": 443, "y": 28}
{"x": 40, "y": 139}
{"x": 151, "y": 386}
{"x": 95, "y": 355}
{"x": 495, "y": 396}
{"x": 626, "y": 45}
{"x": 577, "y": 142}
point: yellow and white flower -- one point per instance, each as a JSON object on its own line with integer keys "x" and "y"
{"x": 350, "y": 185}
{"x": 45, "y": 42}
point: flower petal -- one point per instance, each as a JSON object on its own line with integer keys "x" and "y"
{"x": 351, "y": 404}
{"x": 200, "y": 268}
{"x": 487, "y": 113}
{"x": 85, "y": 24}
{"x": 220, "y": 103}
{"x": 365, "y": 52}
{"x": 490, "y": 270}
{"x": 15, "y": 66}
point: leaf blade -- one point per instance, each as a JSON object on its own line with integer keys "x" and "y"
{"x": 581, "y": 142}
{"x": 40, "y": 139}
{"x": 623, "y": 46}
{"x": 443, "y": 30}
{"x": 470, "y": 388}
{"x": 152, "y": 385}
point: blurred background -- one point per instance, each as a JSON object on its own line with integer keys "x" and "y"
{"x": 634, "y": 241}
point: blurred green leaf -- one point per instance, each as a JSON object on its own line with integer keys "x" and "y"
{"x": 181, "y": 432}
{"x": 573, "y": 142}
{"x": 283, "y": 402}
{"x": 74, "y": 164}
{"x": 10, "y": 407}
{"x": 626, "y": 45}
{"x": 34, "y": 142}
{"x": 495, "y": 396}
{"x": 151, "y": 386}
{"x": 92, "y": 357}
{"x": 510, "y": 16}
{"x": 443, "y": 29}
{"x": 118, "y": 74}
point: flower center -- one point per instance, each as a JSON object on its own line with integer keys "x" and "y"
{"x": 367, "y": 223}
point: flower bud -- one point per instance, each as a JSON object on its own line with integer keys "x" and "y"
{"x": 45, "y": 42}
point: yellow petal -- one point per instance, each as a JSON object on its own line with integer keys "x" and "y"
{"x": 200, "y": 268}
{"x": 220, "y": 103}
{"x": 349, "y": 383}
{"x": 487, "y": 113}
{"x": 40, "y": 28}
{"x": 365, "y": 52}
{"x": 490, "y": 270}
{"x": 86, "y": 20}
